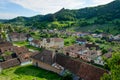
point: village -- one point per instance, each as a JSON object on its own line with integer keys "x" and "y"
{"x": 57, "y": 53}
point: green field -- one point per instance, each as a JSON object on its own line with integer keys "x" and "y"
{"x": 28, "y": 72}
{"x": 69, "y": 41}
{"x": 20, "y": 43}
{"x": 26, "y": 44}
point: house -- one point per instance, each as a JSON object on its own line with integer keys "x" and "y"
{"x": 99, "y": 61}
{"x": 84, "y": 70}
{"x": 5, "y": 46}
{"x": 7, "y": 57}
{"x": 36, "y": 43}
{"x": 89, "y": 55}
{"x": 46, "y": 60}
{"x": 20, "y": 50}
{"x": 92, "y": 46}
{"x": 52, "y": 42}
{"x": 6, "y": 49}
{"x": 29, "y": 37}
{"x": 82, "y": 34}
{"x": 50, "y": 61}
{"x": 97, "y": 35}
{"x": 81, "y": 52}
{"x": 117, "y": 37}
{"x": 25, "y": 58}
{"x": 81, "y": 41}
{"x": 9, "y": 63}
{"x": 17, "y": 36}
{"x": 107, "y": 55}
{"x": 5, "y": 43}
{"x": 74, "y": 50}
{"x": 107, "y": 37}
{"x": 12, "y": 55}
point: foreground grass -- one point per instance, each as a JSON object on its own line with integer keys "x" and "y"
{"x": 28, "y": 73}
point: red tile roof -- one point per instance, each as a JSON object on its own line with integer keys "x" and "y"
{"x": 24, "y": 57}
{"x": 83, "y": 70}
{"x": 36, "y": 41}
{"x": 19, "y": 50}
{"x": 74, "y": 48}
{"x": 7, "y": 48}
{"x": 58, "y": 40}
{"x": 9, "y": 63}
{"x": 5, "y": 44}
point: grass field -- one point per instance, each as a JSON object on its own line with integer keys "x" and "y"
{"x": 26, "y": 44}
{"x": 69, "y": 41}
{"x": 28, "y": 72}
{"x": 20, "y": 43}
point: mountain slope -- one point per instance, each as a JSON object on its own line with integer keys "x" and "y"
{"x": 111, "y": 10}
{"x": 100, "y": 15}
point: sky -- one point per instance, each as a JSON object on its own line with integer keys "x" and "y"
{"x": 12, "y": 8}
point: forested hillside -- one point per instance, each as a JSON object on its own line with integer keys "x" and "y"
{"x": 105, "y": 17}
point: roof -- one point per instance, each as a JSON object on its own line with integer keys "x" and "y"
{"x": 82, "y": 40}
{"x": 7, "y": 48}
{"x": 108, "y": 55}
{"x": 58, "y": 40}
{"x": 24, "y": 57}
{"x": 82, "y": 69}
{"x": 17, "y": 35}
{"x": 48, "y": 40}
{"x": 91, "y": 45}
{"x": 74, "y": 48}
{"x": 5, "y": 44}
{"x": 9, "y": 63}
{"x": 54, "y": 39}
{"x": 45, "y": 56}
{"x": 36, "y": 41}
{"x": 19, "y": 50}
{"x": 8, "y": 57}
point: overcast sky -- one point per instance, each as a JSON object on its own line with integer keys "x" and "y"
{"x": 13, "y": 8}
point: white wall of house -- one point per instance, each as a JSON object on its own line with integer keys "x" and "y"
{"x": 35, "y": 45}
{"x": 52, "y": 44}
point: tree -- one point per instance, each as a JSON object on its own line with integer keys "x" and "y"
{"x": 114, "y": 65}
{"x": 98, "y": 31}
{"x": 68, "y": 77}
{"x": 3, "y": 35}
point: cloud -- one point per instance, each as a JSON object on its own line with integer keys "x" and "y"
{"x": 101, "y": 2}
{"x": 45, "y": 6}
{"x": 48, "y": 6}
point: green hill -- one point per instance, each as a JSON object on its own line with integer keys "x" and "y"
{"x": 104, "y": 17}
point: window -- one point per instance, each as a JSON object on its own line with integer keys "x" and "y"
{"x": 67, "y": 54}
